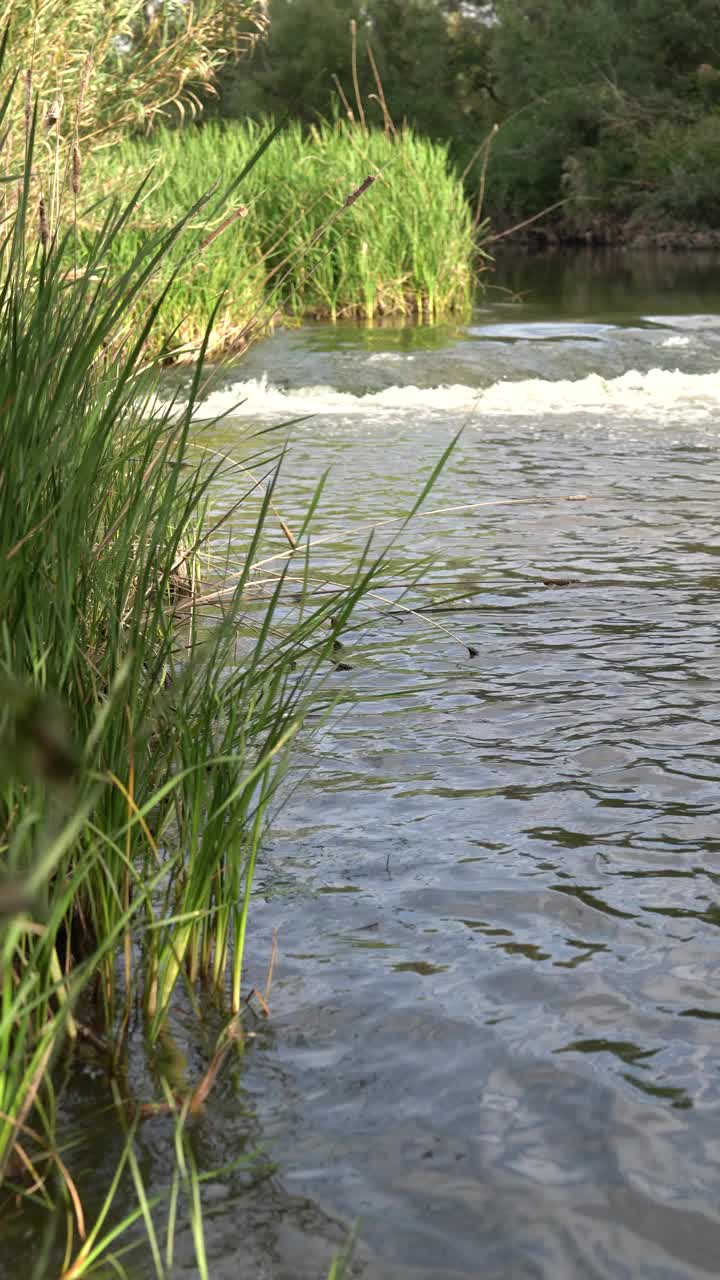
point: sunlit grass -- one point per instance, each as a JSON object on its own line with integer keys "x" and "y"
{"x": 298, "y": 239}
{"x": 141, "y": 741}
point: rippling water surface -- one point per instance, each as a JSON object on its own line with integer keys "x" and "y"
{"x": 496, "y": 1019}
{"x": 496, "y": 1015}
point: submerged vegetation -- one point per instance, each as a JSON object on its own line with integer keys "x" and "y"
{"x": 335, "y": 221}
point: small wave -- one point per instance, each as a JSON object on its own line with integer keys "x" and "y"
{"x": 659, "y": 391}
{"x": 389, "y": 357}
{"x": 538, "y": 332}
{"x": 694, "y": 323}
{"x": 258, "y": 397}
{"x": 676, "y": 341}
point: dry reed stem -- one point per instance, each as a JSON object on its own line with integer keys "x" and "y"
{"x": 213, "y": 597}
{"x": 520, "y": 225}
{"x": 390, "y": 129}
{"x": 271, "y": 966}
{"x": 49, "y": 1155}
{"x": 254, "y": 994}
{"x": 471, "y": 506}
{"x": 76, "y": 168}
{"x": 230, "y": 1036}
{"x": 84, "y": 83}
{"x": 399, "y": 607}
{"x": 483, "y": 174}
{"x": 18, "y": 1123}
{"x": 356, "y": 84}
{"x": 348, "y": 109}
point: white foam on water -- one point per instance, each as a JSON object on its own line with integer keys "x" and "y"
{"x": 389, "y": 357}
{"x": 258, "y": 397}
{"x": 695, "y": 323}
{"x": 676, "y": 341}
{"x": 657, "y": 393}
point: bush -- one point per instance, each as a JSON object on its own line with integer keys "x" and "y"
{"x": 680, "y": 166}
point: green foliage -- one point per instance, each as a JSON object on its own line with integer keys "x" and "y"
{"x": 590, "y": 93}
{"x": 141, "y": 737}
{"x": 291, "y": 70}
{"x": 431, "y": 58}
{"x": 579, "y": 89}
{"x": 680, "y": 164}
{"x": 405, "y": 245}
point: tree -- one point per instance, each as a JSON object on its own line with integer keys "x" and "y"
{"x": 431, "y": 56}
{"x": 584, "y": 84}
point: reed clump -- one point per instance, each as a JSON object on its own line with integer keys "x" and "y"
{"x": 103, "y": 70}
{"x": 141, "y": 739}
{"x": 338, "y": 221}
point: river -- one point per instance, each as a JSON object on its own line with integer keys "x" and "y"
{"x": 494, "y": 1034}
{"x": 495, "y": 1016}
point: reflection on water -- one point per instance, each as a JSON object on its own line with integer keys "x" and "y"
{"x": 495, "y": 1021}
{"x": 604, "y": 283}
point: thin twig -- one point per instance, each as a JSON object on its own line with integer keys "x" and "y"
{"x": 356, "y": 85}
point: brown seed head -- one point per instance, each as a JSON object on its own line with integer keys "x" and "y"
{"x": 52, "y": 115}
{"x": 28, "y": 99}
{"x": 43, "y": 223}
{"x": 76, "y": 166}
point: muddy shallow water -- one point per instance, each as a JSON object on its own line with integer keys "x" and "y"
{"x": 496, "y": 1013}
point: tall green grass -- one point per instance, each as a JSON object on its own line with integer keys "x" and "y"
{"x": 295, "y": 242}
{"x": 141, "y": 740}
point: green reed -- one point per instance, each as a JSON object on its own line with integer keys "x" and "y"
{"x": 141, "y": 741}
{"x": 295, "y": 242}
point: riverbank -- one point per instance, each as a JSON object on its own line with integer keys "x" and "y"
{"x": 609, "y": 233}
{"x": 148, "y": 705}
{"x": 333, "y": 222}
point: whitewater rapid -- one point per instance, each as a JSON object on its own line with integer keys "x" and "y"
{"x": 659, "y": 392}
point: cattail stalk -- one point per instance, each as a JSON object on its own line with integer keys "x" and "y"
{"x": 43, "y": 223}
{"x": 28, "y": 102}
{"x": 76, "y": 168}
{"x": 87, "y": 72}
{"x": 360, "y": 191}
{"x": 241, "y": 212}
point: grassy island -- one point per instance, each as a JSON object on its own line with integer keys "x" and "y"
{"x": 333, "y": 221}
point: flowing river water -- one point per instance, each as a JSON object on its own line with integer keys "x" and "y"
{"x": 495, "y": 1018}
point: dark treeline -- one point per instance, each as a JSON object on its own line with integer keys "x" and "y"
{"x": 611, "y": 106}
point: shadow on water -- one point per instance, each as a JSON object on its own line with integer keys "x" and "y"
{"x": 254, "y": 1228}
